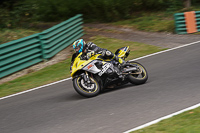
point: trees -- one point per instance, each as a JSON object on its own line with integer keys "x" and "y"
{"x": 14, "y": 12}
{"x": 187, "y": 3}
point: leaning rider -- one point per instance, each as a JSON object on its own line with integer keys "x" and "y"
{"x": 90, "y": 49}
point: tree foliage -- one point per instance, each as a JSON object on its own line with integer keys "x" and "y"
{"x": 17, "y": 12}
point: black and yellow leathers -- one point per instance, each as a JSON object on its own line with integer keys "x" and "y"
{"x": 91, "y": 49}
{"x": 80, "y": 62}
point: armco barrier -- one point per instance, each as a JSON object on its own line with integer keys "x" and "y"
{"x": 19, "y": 54}
{"x": 22, "y": 53}
{"x": 60, "y": 36}
{"x": 187, "y": 22}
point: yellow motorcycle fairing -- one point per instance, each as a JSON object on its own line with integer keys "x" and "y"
{"x": 122, "y": 52}
{"x": 80, "y": 64}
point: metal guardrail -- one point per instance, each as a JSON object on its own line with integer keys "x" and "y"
{"x": 180, "y": 23}
{"x": 25, "y": 52}
{"x": 182, "y": 26}
{"x": 60, "y": 36}
{"x": 198, "y": 20}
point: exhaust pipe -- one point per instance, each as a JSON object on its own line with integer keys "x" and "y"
{"x": 130, "y": 69}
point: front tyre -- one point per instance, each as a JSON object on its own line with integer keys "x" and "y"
{"x": 86, "y": 89}
{"x": 139, "y": 76}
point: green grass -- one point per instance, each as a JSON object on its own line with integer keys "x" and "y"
{"x": 137, "y": 49}
{"x": 187, "y": 122}
{"x": 7, "y": 35}
{"x": 61, "y": 70}
{"x": 47, "y": 75}
{"x": 151, "y": 22}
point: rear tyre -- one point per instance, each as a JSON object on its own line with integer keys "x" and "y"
{"x": 139, "y": 76}
{"x": 86, "y": 89}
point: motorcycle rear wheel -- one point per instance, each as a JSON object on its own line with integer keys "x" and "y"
{"x": 86, "y": 90}
{"x": 140, "y": 76}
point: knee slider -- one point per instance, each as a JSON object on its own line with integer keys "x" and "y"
{"x": 108, "y": 53}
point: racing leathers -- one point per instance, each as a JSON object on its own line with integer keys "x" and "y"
{"x": 92, "y": 49}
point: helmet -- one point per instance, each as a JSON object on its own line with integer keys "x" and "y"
{"x": 79, "y": 46}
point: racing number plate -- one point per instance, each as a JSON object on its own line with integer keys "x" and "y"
{"x": 104, "y": 68}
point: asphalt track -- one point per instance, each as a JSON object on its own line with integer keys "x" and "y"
{"x": 174, "y": 84}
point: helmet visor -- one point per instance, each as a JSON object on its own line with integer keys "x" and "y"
{"x": 77, "y": 48}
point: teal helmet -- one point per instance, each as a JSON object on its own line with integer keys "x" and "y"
{"x": 79, "y": 46}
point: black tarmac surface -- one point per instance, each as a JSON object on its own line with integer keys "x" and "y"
{"x": 174, "y": 84}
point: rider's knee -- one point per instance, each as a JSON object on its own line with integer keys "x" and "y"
{"x": 108, "y": 54}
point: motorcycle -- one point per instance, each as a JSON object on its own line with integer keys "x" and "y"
{"x": 93, "y": 75}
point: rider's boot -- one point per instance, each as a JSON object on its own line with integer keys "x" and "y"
{"x": 109, "y": 54}
{"x": 120, "y": 61}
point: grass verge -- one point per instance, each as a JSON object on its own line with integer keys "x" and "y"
{"x": 150, "y": 21}
{"x": 7, "y": 35}
{"x": 61, "y": 70}
{"x": 187, "y": 122}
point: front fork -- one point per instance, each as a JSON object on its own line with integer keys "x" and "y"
{"x": 86, "y": 77}
{"x": 88, "y": 81}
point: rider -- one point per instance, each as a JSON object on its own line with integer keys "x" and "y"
{"x": 90, "y": 49}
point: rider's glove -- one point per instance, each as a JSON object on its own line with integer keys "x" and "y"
{"x": 90, "y": 54}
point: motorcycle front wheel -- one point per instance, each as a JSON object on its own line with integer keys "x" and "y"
{"x": 86, "y": 89}
{"x": 139, "y": 76}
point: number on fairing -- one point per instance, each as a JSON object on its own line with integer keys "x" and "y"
{"x": 105, "y": 67}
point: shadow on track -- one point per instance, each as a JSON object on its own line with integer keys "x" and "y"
{"x": 109, "y": 90}
{"x": 73, "y": 96}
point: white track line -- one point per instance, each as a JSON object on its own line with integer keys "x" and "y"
{"x": 165, "y": 51}
{"x": 35, "y": 88}
{"x": 163, "y": 118}
{"x": 171, "y": 115}
{"x": 70, "y": 78}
